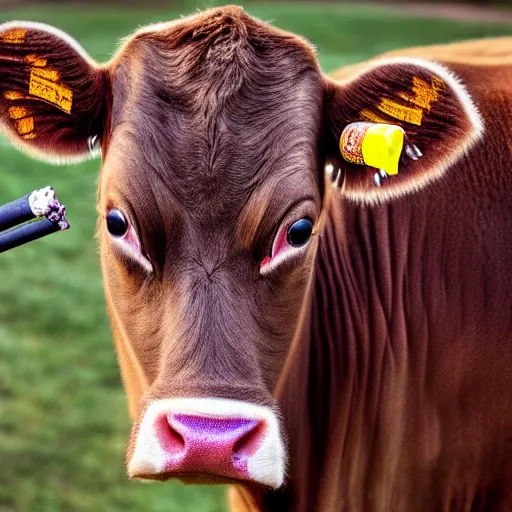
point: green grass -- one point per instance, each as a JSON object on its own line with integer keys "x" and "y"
{"x": 63, "y": 418}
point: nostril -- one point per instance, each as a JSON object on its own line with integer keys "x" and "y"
{"x": 170, "y": 439}
{"x": 205, "y": 444}
{"x": 249, "y": 443}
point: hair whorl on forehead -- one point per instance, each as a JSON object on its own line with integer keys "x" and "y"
{"x": 222, "y": 35}
{"x": 219, "y": 41}
{"x": 215, "y": 36}
{"x": 218, "y": 96}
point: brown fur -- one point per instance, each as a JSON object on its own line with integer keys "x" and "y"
{"x": 486, "y": 52}
{"x": 387, "y": 347}
{"x": 188, "y": 215}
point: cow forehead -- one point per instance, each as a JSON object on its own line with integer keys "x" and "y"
{"x": 212, "y": 117}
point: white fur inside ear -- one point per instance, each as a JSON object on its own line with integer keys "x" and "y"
{"x": 381, "y": 195}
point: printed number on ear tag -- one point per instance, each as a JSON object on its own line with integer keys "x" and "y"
{"x": 376, "y": 145}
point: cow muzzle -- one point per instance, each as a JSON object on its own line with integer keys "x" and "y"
{"x": 208, "y": 440}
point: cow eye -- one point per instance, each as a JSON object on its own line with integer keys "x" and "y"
{"x": 288, "y": 244}
{"x": 117, "y": 224}
{"x": 125, "y": 237}
{"x": 300, "y": 232}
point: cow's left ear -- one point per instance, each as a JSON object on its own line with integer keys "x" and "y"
{"x": 53, "y": 97}
{"x": 437, "y": 121}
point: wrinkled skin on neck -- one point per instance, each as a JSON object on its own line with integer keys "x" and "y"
{"x": 406, "y": 345}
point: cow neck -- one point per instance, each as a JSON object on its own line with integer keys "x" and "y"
{"x": 344, "y": 367}
{"x": 346, "y": 354}
{"x": 388, "y": 368}
{"x": 358, "y": 380}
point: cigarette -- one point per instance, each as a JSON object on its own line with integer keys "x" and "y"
{"x": 41, "y": 205}
{"x": 20, "y": 235}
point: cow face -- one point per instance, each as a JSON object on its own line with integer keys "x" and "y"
{"x": 209, "y": 201}
{"x": 214, "y": 133}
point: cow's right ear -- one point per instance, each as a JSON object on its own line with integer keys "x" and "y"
{"x": 432, "y": 116}
{"x": 54, "y": 99}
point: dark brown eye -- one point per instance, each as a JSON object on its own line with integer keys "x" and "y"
{"x": 117, "y": 224}
{"x": 300, "y": 232}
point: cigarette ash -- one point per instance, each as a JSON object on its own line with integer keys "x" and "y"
{"x": 44, "y": 203}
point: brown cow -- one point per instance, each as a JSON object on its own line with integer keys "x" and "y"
{"x": 321, "y": 342}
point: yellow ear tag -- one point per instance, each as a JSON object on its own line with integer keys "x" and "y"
{"x": 377, "y": 145}
{"x": 382, "y": 147}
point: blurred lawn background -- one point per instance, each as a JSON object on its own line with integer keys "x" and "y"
{"x": 63, "y": 418}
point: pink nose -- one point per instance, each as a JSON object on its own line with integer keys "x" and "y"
{"x": 211, "y": 446}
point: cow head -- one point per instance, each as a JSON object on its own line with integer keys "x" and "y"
{"x": 214, "y": 133}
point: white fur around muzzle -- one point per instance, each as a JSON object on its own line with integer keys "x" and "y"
{"x": 267, "y": 465}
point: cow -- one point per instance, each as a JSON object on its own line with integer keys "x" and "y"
{"x": 283, "y": 323}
